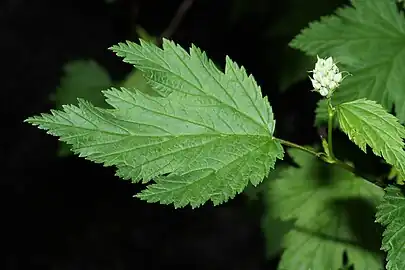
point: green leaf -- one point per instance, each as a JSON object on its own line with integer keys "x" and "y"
{"x": 393, "y": 174}
{"x": 368, "y": 41}
{"x": 367, "y": 123}
{"x": 333, "y": 212}
{"x": 82, "y": 79}
{"x": 391, "y": 213}
{"x": 136, "y": 80}
{"x": 206, "y": 140}
{"x": 143, "y": 34}
{"x": 274, "y": 229}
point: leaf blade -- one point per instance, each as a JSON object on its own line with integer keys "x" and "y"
{"x": 235, "y": 90}
{"x": 367, "y": 123}
{"x": 323, "y": 200}
{"x": 391, "y": 213}
{"x": 198, "y": 144}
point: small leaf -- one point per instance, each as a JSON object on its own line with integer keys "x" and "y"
{"x": 206, "y": 139}
{"x": 333, "y": 212}
{"x": 82, "y": 79}
{"x": 391, "y": 213}
{"x": 136, "y": 80}
{"x": 367, "y": 123}
{"x": 393, "y": 174}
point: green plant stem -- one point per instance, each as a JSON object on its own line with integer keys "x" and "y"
{"x": 331, "y": 112}
{"x": 294, "y": 145}
{"x": 333, "y": 161}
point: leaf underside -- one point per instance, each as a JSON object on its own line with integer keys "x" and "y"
{"x": 204, "y": 137}
{"x": 368, "y": 123}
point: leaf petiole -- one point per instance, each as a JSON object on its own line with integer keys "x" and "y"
{"x": 303, "y": 148}
{"x": 328, "y": 159}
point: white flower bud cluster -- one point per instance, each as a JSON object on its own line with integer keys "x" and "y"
{"x": 326, "y": 76}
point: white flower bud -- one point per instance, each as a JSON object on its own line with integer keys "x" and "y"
{"x": 337, "y": 77}
{"x": 323, "y": 91}
{"x": 316, "y": 84}
{"x": 328, "y": 63}
{"x": 326, "y": 76}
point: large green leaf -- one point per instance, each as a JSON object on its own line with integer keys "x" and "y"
{"x": 206, "y": 137}
{"x": 333, "y": 212}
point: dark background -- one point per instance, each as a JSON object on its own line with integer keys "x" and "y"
{"x": 68, "y": 213}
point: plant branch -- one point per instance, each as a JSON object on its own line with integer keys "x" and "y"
{"x": 181, "y": 11}
{"x": 333, "y": 161}
{"x": 294, "y": 145}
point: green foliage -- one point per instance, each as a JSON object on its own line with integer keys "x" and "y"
{"x": 82, "y": 79}
{"x": 203, "y": 141}
{"x": 274, "y": 229}
{"x": 391, "y": 213}
{"x": 394, "y": 174}
{"x": 202, "y": 134}
{"x": 333, "y": 212}
{"x": 367, "y": 123}
{"x": 136, "y": 81}
{"x": 367, "y": 40}
{"x": 86, "y": 79}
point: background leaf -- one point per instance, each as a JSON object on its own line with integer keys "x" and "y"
{"x": 333, "y": 212}
{"x": 391, "y": 213}
{"x": 82, "y": 79}
{"x": 274, "y": 228}
{"x": 87, "y": 79}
